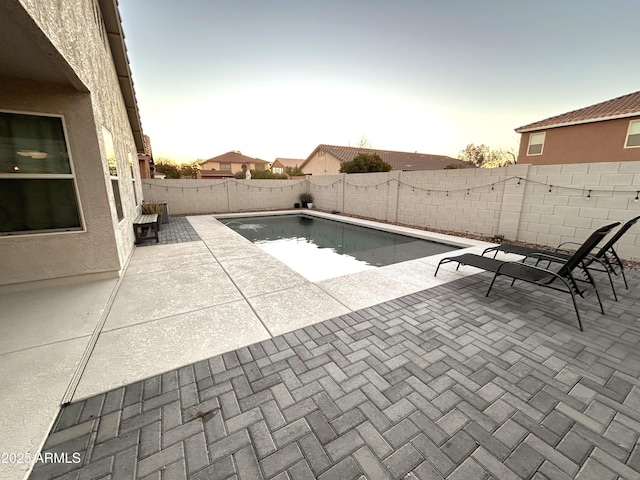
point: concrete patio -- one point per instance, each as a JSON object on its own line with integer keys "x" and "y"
{"x": 209, "y": 359}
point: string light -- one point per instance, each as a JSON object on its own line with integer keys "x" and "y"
{"x": 414, "y": 188}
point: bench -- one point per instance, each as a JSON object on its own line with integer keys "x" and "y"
{"x": 145, "y": 227}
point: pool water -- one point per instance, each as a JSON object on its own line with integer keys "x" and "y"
{"x": 318, "y": 248}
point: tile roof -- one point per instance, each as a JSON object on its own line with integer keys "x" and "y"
{"x": 233, "y": 157}
{"x": 290, "y": 162}
{"x": 620, "y": 107}
{"x": 397, "y": 160}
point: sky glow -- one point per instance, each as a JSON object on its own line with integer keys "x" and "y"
{"x": 276, "y": 78}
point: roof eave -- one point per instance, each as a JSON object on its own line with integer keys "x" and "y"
{"x": 526, "y": 129}
{"x": 115, "y": 35}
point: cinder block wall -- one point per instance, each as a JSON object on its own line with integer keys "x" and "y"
{"x": 222, "y": 196}
{"x": 514, "y": 201}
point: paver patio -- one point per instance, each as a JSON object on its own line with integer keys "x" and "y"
{"x": 442, "y": 383}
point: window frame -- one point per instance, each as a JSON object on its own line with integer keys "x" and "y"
{"x": 532, "y": 134}
{"x": 133, "y": 178}
{"x": 114, "y": 179}
{"x": 626, "y": 138}
{"x": 82, "y": 228}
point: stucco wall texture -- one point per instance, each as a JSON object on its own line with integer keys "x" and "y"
{"x": 583, "y": 197}
{"x": 71, "y": 26}
{"x": 322, "y": 163}
{"x": 586, "y": 143}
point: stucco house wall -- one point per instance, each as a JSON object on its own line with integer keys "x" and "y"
{"x": 322, "y": 163}
{"x": 235, "y": 167}
{"x": 585, "y": 143}
{"x": 89, "y": 100}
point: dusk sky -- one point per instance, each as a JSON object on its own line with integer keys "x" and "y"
{"x": 277, "y": 78}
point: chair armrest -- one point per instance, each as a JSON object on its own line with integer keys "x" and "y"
{"x": 567, "y": 243}
{"x": 545, "y": 256}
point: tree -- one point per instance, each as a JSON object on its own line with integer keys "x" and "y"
{"x": 294, "y": 171}
{"x": 189, "y": 170}
{"x": 364, "y": 142}
{"x": 169, "y": 168}
{"x": 483, "y": 156}
{"x": 365, "y": 162}
{"x": 172, "y": 169}
{"x": 260, "y": 175}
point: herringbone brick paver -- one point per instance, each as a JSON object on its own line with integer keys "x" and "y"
{"x": 444, "y": 383}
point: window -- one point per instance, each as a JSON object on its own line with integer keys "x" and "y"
{"x": 278, "y": 170}
{"x": 37, "y": 184}
{"x": 536, "y": 142}
{"x": 113, "y": 171}
{"x": 633, "y": 137}
{"x": 133, "y": 178}
{"x": 225, "y": 167}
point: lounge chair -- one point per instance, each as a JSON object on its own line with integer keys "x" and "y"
{"x": 607, "y": 254}
{"x": 606, "y": 257}
{"x": 542, "y": 276}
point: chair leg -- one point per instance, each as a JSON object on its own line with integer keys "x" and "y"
{"x": 575, "y": 305}
{"x": 621, "y": 265}
{"x": 607, "y": 269}
{"x": 595, "y": 288}
{"x": 438, "y": 267}
{"x": 624, "y": 278}
{"x": 444, "y": 260}
{"x": 613, "y": 288}
{"x": 492, "y": 282}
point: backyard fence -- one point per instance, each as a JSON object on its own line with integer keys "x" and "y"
{"x": 546, "y": 204}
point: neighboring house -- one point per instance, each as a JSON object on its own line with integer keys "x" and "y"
{"x": 280, "y": 165}
{"x": 70, "y": 134}
{"x": 326, "y": 160}
{"x": 228, "y": 164}
{"x": 604, "y": 132}
{"x": 145, "y": 160}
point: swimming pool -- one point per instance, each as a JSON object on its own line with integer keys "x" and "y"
{"x": 320, "y": 248}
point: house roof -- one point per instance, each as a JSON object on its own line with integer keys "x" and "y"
{"x": 233, "y": 157}
{"x": 397, "y": 160}
{"x": 113, "y": 26}
{"x": 290, "y": 162}
{"x": 620, "y": 107}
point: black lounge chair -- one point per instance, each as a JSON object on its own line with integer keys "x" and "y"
{"x": 607, "y": 254}
{"x": 554, "y": 279}
{"x": 606, "y": 257}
